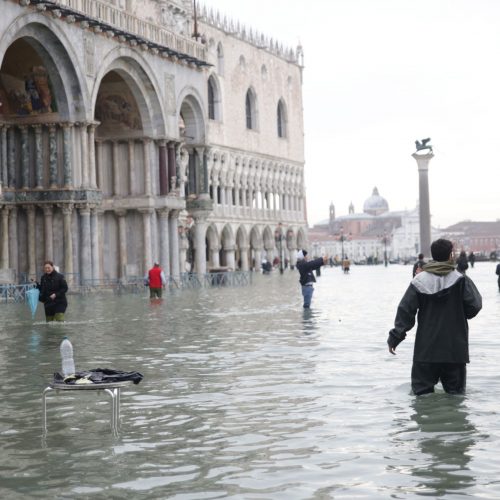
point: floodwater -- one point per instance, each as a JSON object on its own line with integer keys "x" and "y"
{"x": 246, "y": 396}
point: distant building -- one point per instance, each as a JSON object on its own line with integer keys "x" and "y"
{"x": 369, "y": 235}
{"x": 475, "y": 236}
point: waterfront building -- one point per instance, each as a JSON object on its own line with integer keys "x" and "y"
{"x": 142, "y": 131}
{"x": 480, "y": 237}
{"x": 369, "y": 236}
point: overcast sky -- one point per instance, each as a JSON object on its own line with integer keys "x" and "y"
{"x": 380, "y": 74}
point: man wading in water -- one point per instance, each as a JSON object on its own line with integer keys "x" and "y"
{"x": 444, "y": 299}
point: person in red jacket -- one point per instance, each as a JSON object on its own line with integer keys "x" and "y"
{"x": 156, "y": 281}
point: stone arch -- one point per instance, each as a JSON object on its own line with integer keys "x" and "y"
{"x": 227, "y": 247}
{"x": 191, "y": 117}
{"x": 282, "y": 119}
{"x": 140, "y": 81}
{"x": 251, "y": 109}
{"x": 67, "y": 81}
{"x": 255, "y": 248}
{"x": 213, "y": 246}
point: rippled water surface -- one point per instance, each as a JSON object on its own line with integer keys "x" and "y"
{"x": 246, "y": 396}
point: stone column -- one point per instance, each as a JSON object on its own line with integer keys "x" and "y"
{"x": 85, "y": 244}
{"x": 48, "y": 212}
{"x": 164, "y": 240}
{"x": 424, "y": 206}
{"x": 92, "y": 162}
{"x": 122, "y": 242}
{"x": 230, "y": 258}
{"x": 172, "y": 166}
{"x": 214, "y": 257}
{"x": 173, "y": 225}
{"x": 163, "y": 168}
{"x": 4, "y": 262}
{"x": 68, "y": 242}
{"x": 38, "y": 157}
{"x": 244, "y": 258}
{"x": 199, "y": 244}
{"x": 116, "y": 169}
{"x": 147, "y": 165}
{"x": 25, "y": 158}
{"x": 67, "y": 167}
{"x": 131, "y": 167}
{"x": 30, "y": 209}
{"x": 13, "y": 240}
{"x": 3, "y": 155}
{"x": 94, "y": 243}
{"x": 99, "y": 146}
{"x": 52, "y": 156}
{"x": 146, "y": 228}
{"x": 84, "y": 155}
{"x": 11, "y": 157}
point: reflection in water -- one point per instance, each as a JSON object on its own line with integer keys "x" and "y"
{"x": 445, "y": 436}
{"x": 309, "y": 321}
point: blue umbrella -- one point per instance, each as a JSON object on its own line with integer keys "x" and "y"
{"x": 32, "y": 296}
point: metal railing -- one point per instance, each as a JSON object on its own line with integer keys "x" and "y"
{"x": 15, "y": 293}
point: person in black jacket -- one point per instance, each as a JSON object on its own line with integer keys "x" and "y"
{"x": 307, "y": 278}
{"x": 498, "y": 274}
{"x": 53, "y": 288}
{"x": 462, "y": 264}
{"x": 444, "y": 300}
{"x": 417, "y": 267}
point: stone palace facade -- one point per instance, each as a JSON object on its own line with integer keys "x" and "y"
{"x": 137, "y": 131}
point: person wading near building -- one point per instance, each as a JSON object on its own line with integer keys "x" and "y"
{"x": 444, "y": 300}
{"x": 53, "y": 289}
{"x": 156, "y": 281}
{"x": 498, "y": 274}
{"x": 307, "y": 278}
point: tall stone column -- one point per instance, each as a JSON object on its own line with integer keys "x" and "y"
{"x": 13, "y": 241}
{"x": 4, "y": 261}
{"x": 67, "y": 211}
{"x": 11, "y": 157}
{"x": 67, "y": 166}
{"x": 146, "y": 225}
{"x": 214, "y": 257}
{"x": 147, "y": 165}
{"x": 173, "y": 224}
{"x": 85, "y": 244}
{"x": 94, "y": 244}
{"x": 38, "y": 157}
{"x": 131, "y": 167}
{"x": 116, "y": 169}
{"x": 164, "y": 240}
{"x": 48, "y": 212}
{"x": 122, "y": 242}
{"x": 84, "y": 138}
{"x": 25, "y": 158}
{"x": 92, "y": 162}
{"x": 163, "y": 168}
{"x": 199, "y": 244}
{"x": 424, "y": 205}
{"x": 3, "y": 155}
{"x": 30, "y": 209}
{"x": 52, "y": 156}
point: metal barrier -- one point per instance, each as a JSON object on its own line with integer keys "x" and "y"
{"x": 15, "y": 293}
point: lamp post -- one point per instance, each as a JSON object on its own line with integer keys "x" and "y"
{"x": 278, "y": 238}
{"x": 384, "y": 240}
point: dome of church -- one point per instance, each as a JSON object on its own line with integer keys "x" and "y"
{"x": 375, "y": 204}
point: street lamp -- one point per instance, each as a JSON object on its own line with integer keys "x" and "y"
{"x": 278, "y": 238}
{"x": 342, "y": 239}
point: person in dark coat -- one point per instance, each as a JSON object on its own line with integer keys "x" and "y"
{"x": 53, "y": 288}
{"x": 444, "y": 300}
{"x": 462, "y": 264}
{"x": 498, "y": 274}
{"x": 307, "y": 278}
{"x": 472, "y": 259}
{"x": 417, "y": 267}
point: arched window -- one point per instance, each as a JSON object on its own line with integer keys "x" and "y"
{"x": 220, "y": 59}
{"x": 281, "y": 119}
{"x": 214, "y": 112}
{"x": 211, "y": 99}
{"x": 251, "y": 110}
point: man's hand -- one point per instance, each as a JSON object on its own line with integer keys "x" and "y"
{"x": 53, "y": 296}
{"x": 392, "y": 350}
{"x": 325, "y": 259}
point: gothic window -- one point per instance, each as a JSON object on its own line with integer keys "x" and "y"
{"x": 281, "y": 119}
{"x": 211, "y": 99}
{"x": 251, "y": 110}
